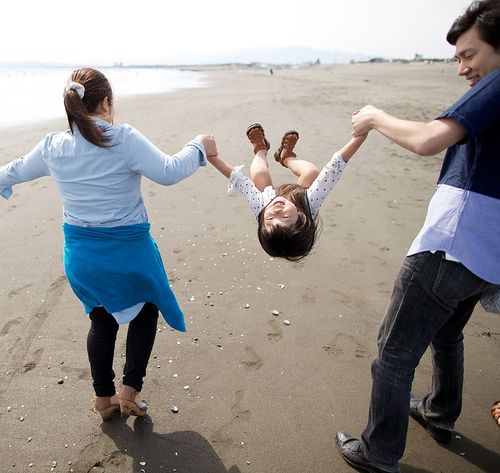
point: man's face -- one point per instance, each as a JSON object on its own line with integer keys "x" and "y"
{"x": 476, "y": 58}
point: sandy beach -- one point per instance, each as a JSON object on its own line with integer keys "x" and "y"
{"x": 253, "y": 394}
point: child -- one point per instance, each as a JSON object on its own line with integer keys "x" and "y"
{"x": 288, "y": 214}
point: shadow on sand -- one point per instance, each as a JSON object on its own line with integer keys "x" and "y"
{"x": 119, "y": 443}
{"x": 411, "y": 469}
{"x": 474, "y": 453}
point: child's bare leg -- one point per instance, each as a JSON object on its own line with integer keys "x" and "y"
{"x": 304, "y": 170}
{"x": 259, "y": 170}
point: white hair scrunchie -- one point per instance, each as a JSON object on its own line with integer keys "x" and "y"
{"x": 78, "y": 88}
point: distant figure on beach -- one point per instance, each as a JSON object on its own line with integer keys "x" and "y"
{"x": 111, "y": 260}
{"x": 287, "y": 215}
{"x": 453, "y": 261}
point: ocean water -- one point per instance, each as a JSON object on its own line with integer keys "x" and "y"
{"x": 35, "y": 94}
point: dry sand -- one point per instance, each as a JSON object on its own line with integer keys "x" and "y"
{"x": 263, "y": 396}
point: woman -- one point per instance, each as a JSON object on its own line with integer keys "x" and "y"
{"x": 112, "y": 263}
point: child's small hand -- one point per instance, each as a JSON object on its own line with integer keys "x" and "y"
{"x": 362, "y": 120}
{"x": 209, "y": 144}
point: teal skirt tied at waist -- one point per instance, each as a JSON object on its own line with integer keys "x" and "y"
{"x": 117, "y": 268}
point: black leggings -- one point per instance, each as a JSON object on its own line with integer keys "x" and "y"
{"x": 101, "y": 347}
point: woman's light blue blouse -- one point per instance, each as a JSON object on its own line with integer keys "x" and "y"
{"x": 101, "y": 191}
{"x": 101, "y": 187}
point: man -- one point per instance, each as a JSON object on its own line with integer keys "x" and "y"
{"x": 454, "y": 259}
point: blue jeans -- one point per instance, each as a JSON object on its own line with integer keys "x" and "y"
{"x": 432, "y": 301}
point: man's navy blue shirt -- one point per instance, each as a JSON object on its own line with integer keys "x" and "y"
{"x": 463, "y": 218}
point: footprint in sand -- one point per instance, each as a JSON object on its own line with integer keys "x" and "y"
{"x": 342, "y": 344}
{"x": 11, "y": 207}
{"x": 16, "y": 292}
{"x": 383, "y": 288}
{"x": 82, "y": 373}
{"x": 308, "y": 296}
{"x": 382, "y": 262}
{"x": 221, "y": 437}
{"x": 9, "y": 325}
{"x": 35, "y": 358}
{"x": 20, "y": 348}
{"x": 344, "y": 298}
{"x": 237, "y": 410}
{"x": 277, "y": 334}
{"x": 255, "y": 361}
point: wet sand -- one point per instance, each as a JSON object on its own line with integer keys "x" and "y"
{"x": 254, "y": 394}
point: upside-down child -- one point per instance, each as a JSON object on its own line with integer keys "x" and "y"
{"x": 287, "y": 215}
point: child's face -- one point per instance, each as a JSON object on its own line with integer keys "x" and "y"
{"x": 280, "y": 212}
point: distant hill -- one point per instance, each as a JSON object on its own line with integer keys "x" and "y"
{"x": 284, "y": 55}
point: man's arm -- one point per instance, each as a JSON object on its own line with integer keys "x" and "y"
{"x": 425, "y": 139}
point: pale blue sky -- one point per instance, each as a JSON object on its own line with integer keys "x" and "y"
{"x": 105, "y": 31}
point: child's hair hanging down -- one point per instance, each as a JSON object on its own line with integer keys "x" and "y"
{"x": 287, "y": 215}
{"x": 292, "y": 241}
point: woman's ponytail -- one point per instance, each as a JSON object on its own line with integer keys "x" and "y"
{"x": 82, "y": 95}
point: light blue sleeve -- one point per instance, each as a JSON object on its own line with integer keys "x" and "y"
{"x": 149, "y": 161}
{"x": 26, "y": 168}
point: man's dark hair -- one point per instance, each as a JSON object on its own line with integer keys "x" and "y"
{"x": 484, "y": 15}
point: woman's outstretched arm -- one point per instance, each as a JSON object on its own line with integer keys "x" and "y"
{"x": 27, "y": 168}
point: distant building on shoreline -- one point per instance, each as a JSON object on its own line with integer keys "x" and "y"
{"x": 418, "y": 58}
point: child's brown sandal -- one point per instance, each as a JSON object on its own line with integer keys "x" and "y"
{"x": 255, "y": 134}
{"x": 288, "y": 143}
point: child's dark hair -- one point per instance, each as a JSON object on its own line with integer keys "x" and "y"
{"x": 293, "y": 242}
{"x": 79, "y": 110}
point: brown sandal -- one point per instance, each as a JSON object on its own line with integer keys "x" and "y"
{"x": 495, "y": 412}
{"x": 288, "y": 143}
{"x": 108, "y": 412}
{"x": 255, "y": 134}
{"x": 129, "y": 407}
